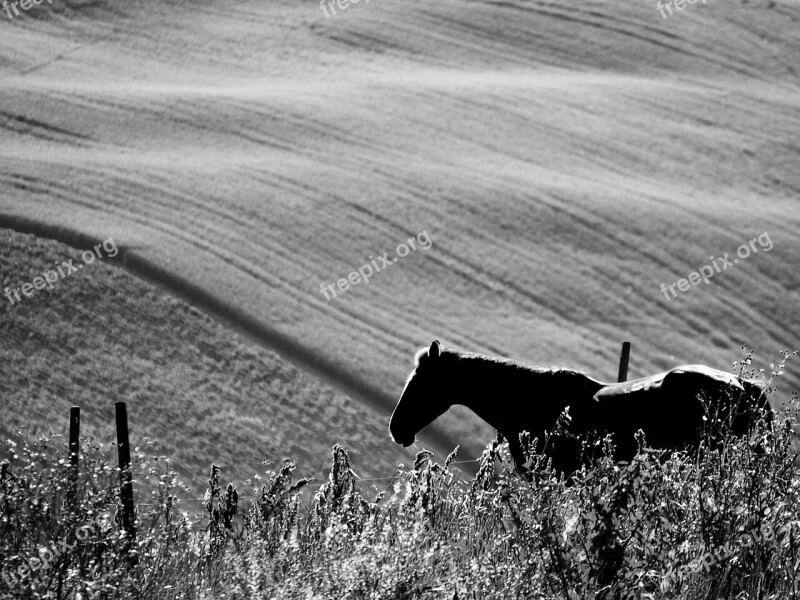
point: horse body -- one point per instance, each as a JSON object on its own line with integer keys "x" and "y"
{"x": 513, "y": 397}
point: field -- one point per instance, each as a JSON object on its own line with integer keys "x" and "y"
{"x": 199, "y": 393}
{"x": 575, "y": 168}
{"x": 565, "y": 160}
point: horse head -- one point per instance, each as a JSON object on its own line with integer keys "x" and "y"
{"x": 423, "y": 399}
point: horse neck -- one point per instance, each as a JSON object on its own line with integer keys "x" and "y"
{"x": 487, "y": 387}
{"x": 500, "y": 393}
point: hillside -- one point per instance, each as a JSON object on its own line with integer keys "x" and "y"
{"x": 565, "y": 159}
{"x": 200, "y": 392}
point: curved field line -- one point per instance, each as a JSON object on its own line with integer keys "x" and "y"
{"x": 233, "y": 318}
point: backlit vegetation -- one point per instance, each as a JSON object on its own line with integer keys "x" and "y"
{"x": 639, "y": 530}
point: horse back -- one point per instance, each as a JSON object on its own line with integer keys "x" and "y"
{"x": 669, "y": 407}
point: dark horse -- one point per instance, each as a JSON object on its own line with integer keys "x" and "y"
{"x": 513, "y": 397}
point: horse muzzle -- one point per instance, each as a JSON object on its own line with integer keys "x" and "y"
{"x": 404, "y": 442}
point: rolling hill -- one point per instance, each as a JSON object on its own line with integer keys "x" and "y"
{"x": 565, "y": 159}
{"x": 199, "y": 393}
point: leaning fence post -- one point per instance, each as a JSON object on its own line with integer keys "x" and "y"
{"x": 623, "y": 361}
{"x": 125, "y": 478}
{"x": 74, "y": 452}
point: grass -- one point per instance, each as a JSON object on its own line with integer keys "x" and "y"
{"x": 723, "y": 523}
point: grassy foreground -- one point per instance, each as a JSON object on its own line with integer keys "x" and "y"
{"x": 725, "y": 524}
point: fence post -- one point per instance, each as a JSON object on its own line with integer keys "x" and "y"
{"x": 74, "y": 452}
{"x": 125, "y": 477}
{"x": 623, "y": 361}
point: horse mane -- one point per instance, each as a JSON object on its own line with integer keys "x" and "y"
{"x": 453, "y": 357}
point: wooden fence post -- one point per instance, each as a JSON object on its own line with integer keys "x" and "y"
{"x": 125, "y": 477}
{"x": 623, "y": 361}
{"x": 74, "y": 452}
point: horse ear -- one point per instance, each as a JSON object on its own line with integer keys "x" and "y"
{"x": 434, "y": 351}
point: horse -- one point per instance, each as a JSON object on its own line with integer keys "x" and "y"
{"x": 514, "y": 397}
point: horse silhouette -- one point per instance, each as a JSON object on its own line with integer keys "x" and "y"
{"x": 514, "y": 397}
